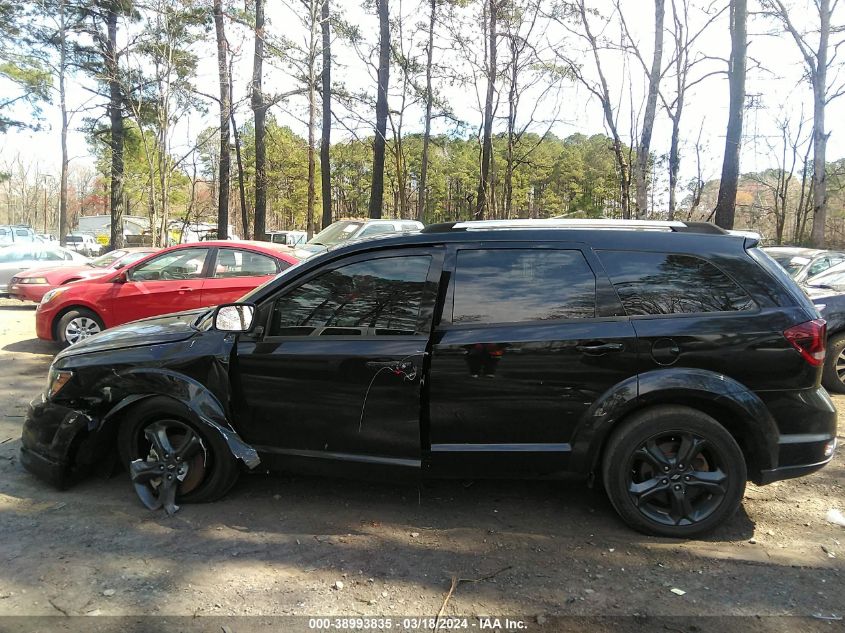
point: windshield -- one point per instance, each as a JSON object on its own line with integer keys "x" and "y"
{"x": 73, "y": 238}
{"x": 104, "y": 261}
{"x": 795, "y": 265}
{"x": 335, "y": 233}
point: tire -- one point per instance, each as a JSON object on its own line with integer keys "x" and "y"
{"x": 654, "y": 492}
{"x": 77, "y": 324}
{"x": 834, "y": 363}
{"x": 206, "y": 474}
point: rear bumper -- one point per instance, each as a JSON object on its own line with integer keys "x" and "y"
{"x": 800, "y": 455}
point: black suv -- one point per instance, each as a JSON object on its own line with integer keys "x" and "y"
{"x": 672, "y": 361}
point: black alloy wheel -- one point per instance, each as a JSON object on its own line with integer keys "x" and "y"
{"x": 172, "y": 459}
{"x": 675, "y": 478}
{"x": 673, "y": 471}
{"x": 175, "y": 462}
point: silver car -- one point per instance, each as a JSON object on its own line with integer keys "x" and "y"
{"x": 14, "y": 259}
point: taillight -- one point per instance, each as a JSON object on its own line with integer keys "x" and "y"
{"x": 808, "y": 338}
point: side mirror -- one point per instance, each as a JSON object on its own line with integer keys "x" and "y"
{"x": 122, "y": 278}
{"x": 234, "y": 317}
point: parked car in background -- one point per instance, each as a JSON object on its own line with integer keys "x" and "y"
{"x": 33, "y": 284}
{"x": 83, "y": 243}
{"x": 827, "y": 291}
{"x": 344, "y": 230}
{"x": 20, "y": 257}
{"x": 804, "y": 263}
{"x": 288, "y": 238}
{"x": 183, "y": 277}
{"x": 16, "y": 234}
{"x": 674, "y": 362}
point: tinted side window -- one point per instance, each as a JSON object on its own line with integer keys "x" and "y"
{"x": 376, "y": 297}
{"x": 665, "y": 283}
{"x": 514, "y": 285}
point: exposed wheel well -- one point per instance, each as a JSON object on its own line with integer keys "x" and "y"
{"x": 723, "y": 415}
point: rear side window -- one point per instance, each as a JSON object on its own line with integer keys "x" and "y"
{"x": 668, "y": 283}
{"x": 381, "y": 297}
{"x": 517, "y": 285}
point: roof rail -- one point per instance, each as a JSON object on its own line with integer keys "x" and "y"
{"x": 577, "y": 223}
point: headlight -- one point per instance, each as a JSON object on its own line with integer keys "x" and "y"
{"x": 56, "y": 380}
{"x": 52, "y": 294}
{"x": 32, "y": 280}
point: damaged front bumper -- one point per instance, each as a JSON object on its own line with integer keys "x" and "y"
{"x": 55, "y": 441}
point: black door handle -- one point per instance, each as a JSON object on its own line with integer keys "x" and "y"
{"x": 599, "y": 349}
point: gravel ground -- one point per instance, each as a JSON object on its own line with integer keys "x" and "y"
{"x": 307, "y": 546}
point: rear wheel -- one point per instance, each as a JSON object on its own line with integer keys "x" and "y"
{"x": 76, "y": 325}
{"x": 674, "y": 471}
{"x": 833, "y": 375}
{"x": 171, "y": 459}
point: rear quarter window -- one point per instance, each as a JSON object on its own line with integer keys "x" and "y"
{"x": 671, "y": 283}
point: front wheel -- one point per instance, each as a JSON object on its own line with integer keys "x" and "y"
{"x": 171, "y": 459}
{"x": 674, "y": 471}
{"x": 76, "y": 325}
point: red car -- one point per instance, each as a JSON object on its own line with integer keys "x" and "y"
{"x": 33, "y": 284}
{"x": 183, "y": 277}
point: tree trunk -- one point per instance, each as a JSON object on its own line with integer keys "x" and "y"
{"x": 484, "y": 181}
{"x": 726, "y": 202}
{"x": 63, "y": 228}
{"x": 644, "y": 150}
{"x": 377, "y": 185}
{"x": 326, "y": 132}
{"x": 260, "y": 111}
{"x": 312, "y": 119}
{"x": 244, "y": 212}
{"x": 116, "y": 128}
{"x": 422, "y": 194}
{"x": 817, "y": 236}
{"x": 224, "y": 167}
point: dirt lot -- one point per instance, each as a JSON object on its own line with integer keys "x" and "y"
{"x": 284, "y": 546}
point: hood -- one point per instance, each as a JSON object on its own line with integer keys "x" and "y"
{"x": 63, "y": 269}
{"x": 169, "y": 328}
{"x": 818, "y": 292}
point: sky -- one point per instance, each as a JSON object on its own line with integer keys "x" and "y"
{"x": 775, "y": 81}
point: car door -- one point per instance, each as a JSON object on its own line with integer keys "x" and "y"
{"x": 337, "y": 373}
{"x": 170, "y": 282}
{"x": 236, "y": 271}
{"x": 531, "y": 336}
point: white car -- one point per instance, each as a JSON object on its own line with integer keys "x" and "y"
{"x": 14, "y": 259}
{"x": 83, "y": 243}
{"x": 344, "y": 230}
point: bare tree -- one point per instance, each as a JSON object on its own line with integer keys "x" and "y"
{"x": 224, "y": 167}
{"x": 726, "y": 202}
{"x": 482, "y": 201}
{"x": 379, "y": 143}
{"x": 654, "y": 74}
{"x": 600, "y": 90}
{"x": 422, "y": 195}
{"x": 326, "y": 132}
{"x": 818, "y": 61}
{"x": 259, "y": 109}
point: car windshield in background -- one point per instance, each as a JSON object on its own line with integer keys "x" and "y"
{"x": 73, "y": 238}
{"x": 794, "y": 265}
{"x": 334, "y": 234}
{"x": 104, "y": 261}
